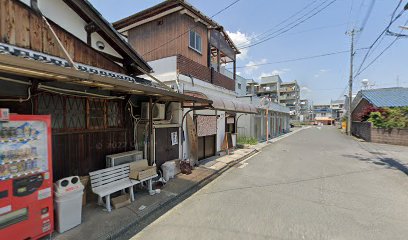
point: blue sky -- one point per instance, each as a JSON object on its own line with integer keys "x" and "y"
{"x": 321, "y": 79}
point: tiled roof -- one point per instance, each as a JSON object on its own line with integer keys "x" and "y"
{"x": 387, "y": 97}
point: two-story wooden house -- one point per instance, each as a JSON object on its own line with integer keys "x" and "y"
{"x": 62, "y": 58}
{"x": 189, "y": 51}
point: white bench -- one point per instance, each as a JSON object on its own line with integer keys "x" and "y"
{"x": 110, "y": 180}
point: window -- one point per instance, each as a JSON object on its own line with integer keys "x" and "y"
{"x": 195, "y": 41}
{"x": 70, "y": 113}
{"x": 239, "y": 85}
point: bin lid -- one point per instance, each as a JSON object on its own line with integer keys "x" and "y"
{"x": 67, "y": 186}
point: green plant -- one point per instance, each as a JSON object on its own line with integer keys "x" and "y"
{"x": 247, "y": 140}
{"x": 390, "y": 118}
{"x": 377, "y": 119}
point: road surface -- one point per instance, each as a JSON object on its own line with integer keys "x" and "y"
{"x": 315, "y": 184}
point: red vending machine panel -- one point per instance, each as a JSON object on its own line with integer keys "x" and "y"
{"x": 26, "y": 203}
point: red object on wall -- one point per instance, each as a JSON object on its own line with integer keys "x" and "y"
{"x": 26, "y": 199}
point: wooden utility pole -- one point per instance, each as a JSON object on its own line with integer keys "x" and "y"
{"x": 350, "y": 95}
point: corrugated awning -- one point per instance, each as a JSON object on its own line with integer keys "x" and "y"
{"x": 223, "y": 104}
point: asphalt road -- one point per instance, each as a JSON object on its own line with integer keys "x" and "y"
{"x": 315, "y": 184}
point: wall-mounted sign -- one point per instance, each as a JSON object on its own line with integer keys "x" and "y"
{"x": 45, "y": 58}
{"x": 206, "y": 125}
{"x": 4, "y": 114}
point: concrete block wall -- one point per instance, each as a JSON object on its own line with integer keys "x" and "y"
{"x": 362, "y": 130}
{"x": 390, "y": 136}
{"x": 394, "y": 136}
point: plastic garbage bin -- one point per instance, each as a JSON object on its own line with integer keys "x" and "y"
{"x": 68, "y": 203}
{"x": 169, "y": 169}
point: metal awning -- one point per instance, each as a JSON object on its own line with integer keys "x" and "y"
{"x": 224, "y": 104}
{"x": 33, "y": 68}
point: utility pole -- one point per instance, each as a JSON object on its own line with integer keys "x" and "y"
{"x": 350, "y": 95}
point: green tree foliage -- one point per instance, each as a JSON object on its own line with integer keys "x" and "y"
{"x": 390, "y": 118}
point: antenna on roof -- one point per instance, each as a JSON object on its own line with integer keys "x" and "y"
{"x": 365, "y": 83}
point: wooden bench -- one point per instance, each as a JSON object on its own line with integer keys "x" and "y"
{"x": 110, "y": 180}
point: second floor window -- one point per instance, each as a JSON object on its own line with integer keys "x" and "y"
{"x": 195, "y": 41}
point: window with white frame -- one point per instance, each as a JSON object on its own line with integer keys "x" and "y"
{"x": 195, "y": 41}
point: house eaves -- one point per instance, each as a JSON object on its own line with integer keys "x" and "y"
{"x": 88, "y": 12}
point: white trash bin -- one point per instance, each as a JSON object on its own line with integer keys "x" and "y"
{"x": 169, "y": 169}
{"x": 68, "y": 203}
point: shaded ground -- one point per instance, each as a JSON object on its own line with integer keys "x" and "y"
{"x": 317, "y": 184}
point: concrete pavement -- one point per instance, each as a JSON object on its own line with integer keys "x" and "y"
{"x": 317, "y": 184}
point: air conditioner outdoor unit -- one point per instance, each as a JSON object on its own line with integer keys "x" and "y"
{"x": 123, "y": 158}
{"x": 159, "y": 111}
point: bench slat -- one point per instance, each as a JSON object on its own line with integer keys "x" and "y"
{"x": 108, "y": 180}
{"x": 105, "y": 176}
{"x": 107, "y": 170}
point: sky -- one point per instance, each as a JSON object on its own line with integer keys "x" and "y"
{"x": 323, "y": 78}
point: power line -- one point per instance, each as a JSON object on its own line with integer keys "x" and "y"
{"x": 393, "y": 19}
{"x": 292, "y": 24}
{"x": 290, "y": 28}
{"x": 184, "y": 33}
{"x": 298, "y": 59}
{"x": 379, "y": 55}
{"x": 280, "y": 23}
{"x": 365, "y": 20}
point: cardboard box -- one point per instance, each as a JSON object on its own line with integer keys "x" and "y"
{"x": 140, "y": 170}
{"x": 121, "y": 201}
{"x": 151, "y": 171}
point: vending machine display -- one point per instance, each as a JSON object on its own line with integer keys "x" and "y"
{"x": 26, "y": 210}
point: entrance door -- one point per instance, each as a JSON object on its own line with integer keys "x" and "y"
{"x": 206, "y": 147}
{"x": 166, "y": 149}
{"x": 206, "y": 131}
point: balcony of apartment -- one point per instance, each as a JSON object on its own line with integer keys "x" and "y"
{"x": 191, "y": 68}
{"x": 288, "y": 89}
{"x": 288, "y": 97}
{"x": 265, "y": 88}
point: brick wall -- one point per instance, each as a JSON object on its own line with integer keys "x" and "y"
{"x": 361, "y": 130}
{"x": 223, "y": 81}
{"x": 189, "y": 67}
{"x": 390, "y": 136}
{"x": 393, "y": 136}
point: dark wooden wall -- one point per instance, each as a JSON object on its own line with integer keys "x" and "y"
{"x": 154, "y": 34}
{"x": 20, "y": 26}
{"x": 82, "y": 152}
{"x": 79, "y": 151}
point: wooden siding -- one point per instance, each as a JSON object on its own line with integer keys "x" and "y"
{"x": 154, "y": 34}
{"x": 79, "y": 152}
{"x": 20, "y": 26}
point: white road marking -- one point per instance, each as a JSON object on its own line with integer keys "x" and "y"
{"x": 243, "y": 165}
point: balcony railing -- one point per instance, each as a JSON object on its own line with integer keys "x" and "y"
{"x": 188, "y": 67}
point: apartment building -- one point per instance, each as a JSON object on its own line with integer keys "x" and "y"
{"x": 338, "y": 109}
{"x": 189, "y": 52}
{"x": 270, "y": 87}
{"x": 285, "y": 93}
{"x": 305, "y": 110}
{"x": 289, "y": 96}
